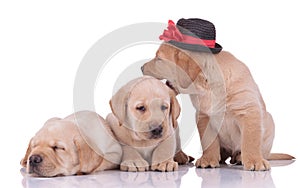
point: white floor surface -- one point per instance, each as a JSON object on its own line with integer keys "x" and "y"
{"x": 282, "y": 174}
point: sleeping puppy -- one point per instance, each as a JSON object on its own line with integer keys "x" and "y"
{"x": 66, "y": 147}
{"x": 231, "y": 115}
{"x": 144, "y": 120}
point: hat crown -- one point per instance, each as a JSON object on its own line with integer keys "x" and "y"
{"x": 197, "y": 27}
{"x": 193, "y": 34}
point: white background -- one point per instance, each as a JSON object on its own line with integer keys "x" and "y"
{"x": 43, "y": 42}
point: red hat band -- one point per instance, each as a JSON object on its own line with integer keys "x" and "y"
{"x": 172, "y": 33}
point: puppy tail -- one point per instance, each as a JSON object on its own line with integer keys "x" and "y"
{"x": 280, "y": 156}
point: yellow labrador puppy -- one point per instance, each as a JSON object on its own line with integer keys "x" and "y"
{"x": 69, "y": 146}
{"x": 144, "y": 119}
{"x": 230, "y": 113}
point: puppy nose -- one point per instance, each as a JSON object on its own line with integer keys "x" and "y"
{"x": 142, "y": 68}
{"x": 157, "y": 131}
{"x": 35, "y": 160}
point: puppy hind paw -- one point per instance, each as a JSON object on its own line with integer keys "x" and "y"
{"x": 134, "y": 166}
{"x": 167, "y": 166}
{"x": 236, "y": 158}
{"x": 182, "y": 158}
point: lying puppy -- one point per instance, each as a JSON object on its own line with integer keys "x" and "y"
{"x": 68, "y": 147}
{"x": 144, "y": 120}
{"x": 231, "y": 115}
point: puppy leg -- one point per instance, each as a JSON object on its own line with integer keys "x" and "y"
{"x": 251, "y": 129}
{"x": 162, "y": 157}
{"x": 132, "y": 161}
{"x": 268, "y": 136}
{"x": 210, "y": 145}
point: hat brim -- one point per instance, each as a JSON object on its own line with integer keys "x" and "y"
{"x": 197, "y": 48}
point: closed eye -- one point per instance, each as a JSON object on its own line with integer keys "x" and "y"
{"x": 58, "y": 148}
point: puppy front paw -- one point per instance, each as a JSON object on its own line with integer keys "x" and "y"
{"x": 257, "y": 164}
{"x": 139, "y": 165}
{"x": 206, "y": 161}
{"x": 166, "y": 166}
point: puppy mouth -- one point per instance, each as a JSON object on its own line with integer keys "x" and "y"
{"x": 35, "y": 171}
{"x": 156, "y": 136}
{"x": 171, "y": 86}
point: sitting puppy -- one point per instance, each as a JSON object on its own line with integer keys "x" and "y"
{"x": 69, "y": 146}
{"x": 144, "y": 119}
{"x": 231, "y": 115}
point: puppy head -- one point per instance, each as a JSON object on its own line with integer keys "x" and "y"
{"x": 147, "y": 107}
{"x": 58, "y": 149}
{"x": 175, "y": 65}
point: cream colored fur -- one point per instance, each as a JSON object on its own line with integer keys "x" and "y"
{"x": 139, "y": 107}
{"x": 231, "y": 115}
{"x": 60, "y": 148}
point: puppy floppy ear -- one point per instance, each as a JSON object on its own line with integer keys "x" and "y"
{"x": 175, "y": 108}
{"x": 89, "y": 160}
{"x": 25, "y": 158}
{"x": 118, "y": 105}
{"x": 187, "y": 69}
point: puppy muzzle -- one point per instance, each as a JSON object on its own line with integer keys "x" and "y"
{"x": 35, "y": 162}
{"x": 157, "y": 132}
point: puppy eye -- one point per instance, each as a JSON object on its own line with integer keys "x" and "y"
{"x": 163, "y": 107}
{"x": 56, "y": 148}
{"x": 141, "y": 108}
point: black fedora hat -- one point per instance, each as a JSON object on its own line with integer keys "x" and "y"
{"x": 192, "y": 34}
